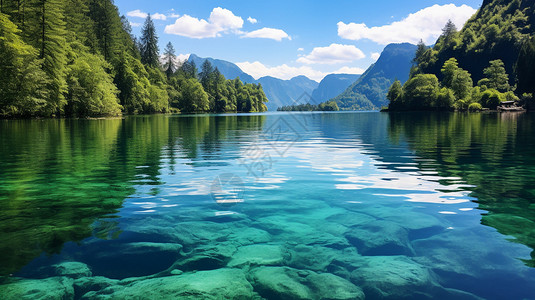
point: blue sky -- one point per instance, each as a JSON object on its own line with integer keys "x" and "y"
{"x": 288, "y": 38}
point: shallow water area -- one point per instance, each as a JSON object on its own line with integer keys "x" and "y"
{"x": 275, "y": 206}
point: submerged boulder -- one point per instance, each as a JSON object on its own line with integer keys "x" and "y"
{"x": 380, "y": 238}
{"x": 260, "y": 254}
{"x": 38, "y": 289}
{"x": 72, "y": 269}
{"x": 214, "y": 284}
{"x": 393, "y": 277}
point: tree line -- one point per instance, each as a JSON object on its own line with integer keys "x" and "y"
{"x": 79, "y": 58}
{"x": 499, "y": 39}
{"x": 453, "y": 87}
{"x": 324, "y": 106}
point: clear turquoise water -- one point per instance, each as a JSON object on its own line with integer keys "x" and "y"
{"x": 276, "y": 206}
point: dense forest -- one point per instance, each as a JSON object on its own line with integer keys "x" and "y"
{"x": 491, "y": 60}
{"x": 78, "y": 58}
{"x": 324, "y": 106}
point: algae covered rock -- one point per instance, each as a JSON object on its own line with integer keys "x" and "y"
{"x": 72, "y": 269}
{"x": 327, "y": 286}
{"x": 42, "y": 289}
{"x": 289, "y": 283}
{"x": 261, "y": 254}
{"x": 393, "y": 277}
{"x": 86, "y": 284}
{"x": 208, "y": 257}
{"x": 281, "y": 283}
{"x": 214, "y": 284}
{"x": 314, "y": 258}
{"x": 380, "y": 238}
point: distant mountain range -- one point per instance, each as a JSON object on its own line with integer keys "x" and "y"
{"x": 332, "y": 85}
{"x": 369, "y": 91}
{"x": 279, "y": 92}
{"x": 351, "y": 92}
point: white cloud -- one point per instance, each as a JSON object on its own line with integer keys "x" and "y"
{"x": 424, "y": 24}
{"x": 375, "y": 56}
{"x": 333, "y": 54}
{"x": 257, "y": 70}
{"x": 173, "y": 15}
{"x": 225, "y": 19}
{"x": 349, "y": 70}
{"x": 252, "y": 20}
{"x": 135, "y": 24}
{"x": 137, "y": 14}
{"x": 158, "y": 16}
{"x": 301, "y": 49}
{"x": 221, "y": 21}
{"x": 268, "y": 33}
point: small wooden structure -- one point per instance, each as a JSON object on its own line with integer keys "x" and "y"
{"x": 510, "y": 106}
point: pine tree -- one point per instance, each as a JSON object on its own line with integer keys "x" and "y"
{"x": 45, "y": 30}
{"x": 496, "y": 76}
{"x": 169, "y": 60}
{"x": 419, "y": 52}
{"x": 448, "y": 32}
{"x": 149, "y": 44}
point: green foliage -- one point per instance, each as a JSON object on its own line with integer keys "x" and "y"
{"x": 149, "y": 44}
{"x": 79, "y": 58}
{"x": 496, "y": 77}
{"x": 421, "y": 91}
{"x": 475, "y": 107}
{"x": 498, "y": 31}
{"x": 324, "y": 106}
{"x": 491, "y": 98}
{"x": 90, "y": 89}
{"x": 22, "y": 82}
{"x": 169, "y": 58}
{"x": 525, "y": 68}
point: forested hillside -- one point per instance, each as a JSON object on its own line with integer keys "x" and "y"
{"x": 78, "y": 58}
{"x": 369, "y": 91}
{"x": 490, "y": 60}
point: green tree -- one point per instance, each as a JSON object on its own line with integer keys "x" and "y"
{"x": 149, "y": 44}
{"x": 192, "y": 96}
{"x": 421, "y": 91}
{"x": 169, "y": 58}
{"x": 462, "y": 84}
{"x": 395, "y": 94}
{"x": 448, "y": 70}
{"x": 189, "y": 69}
{"x": 23, "y": 85}
{"x": 496, "y": 77}
{"x": 525, "y": 67}
{"x": 448, "y": 32}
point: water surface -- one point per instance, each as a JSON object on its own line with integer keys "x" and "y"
{"x": 279, "y": 205}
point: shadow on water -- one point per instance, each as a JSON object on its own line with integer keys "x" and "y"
{"x": 493, "y": 153}
{"x": 65, "y": 180}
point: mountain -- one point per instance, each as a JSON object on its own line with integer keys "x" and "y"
{"x": 499, "y": 30}
{"x": 332, "y": 85}
{"x": 286, "y": 92}
{"x": 369, "y": 91}
{"x": 279, "y": 92}
{"x": 228, "y": 69}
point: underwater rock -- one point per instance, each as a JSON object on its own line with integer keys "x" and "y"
{"x": 327, "y": 286}
{"x": 249, "y": 235}
{"x": 214, "y": 284}
{"x": 208, "y": 257}
{"x": 72, "y": 269}
{"x": 191, "y": 234}
{"x": 380, "y": 238}
{"x": 86, "y": 284}
{"x": 259, "y": 254}
{"x": 280, "y": 283}
{"x": 289, "y": 283}
{"x": 459, "y": 254}
{"x": 351, "y": 219}
{"x": 393, "y": 277}
{"x": 42, "y": 289}
{"x": 314, "y": 258}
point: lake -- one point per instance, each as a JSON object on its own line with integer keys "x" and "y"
{"x": 276, "y": 206}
